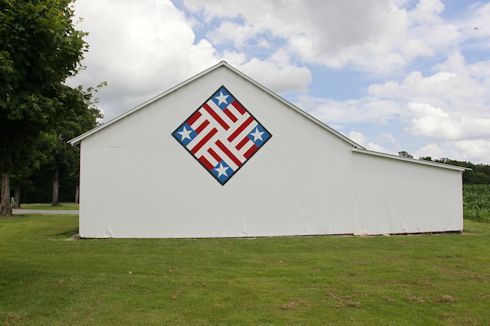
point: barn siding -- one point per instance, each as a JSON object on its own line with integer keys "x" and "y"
{"x": 137, "y": 181}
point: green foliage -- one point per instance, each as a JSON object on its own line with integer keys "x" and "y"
{"x": 405, "y": 154}
{"x": 479, "y": 173}
{"x": 399, "y": 280}
{"x": 39, "y": 49}
{"x": 80, "y": 115}
{"x": 50, "y": 152}
{"x": 476, "y": 201}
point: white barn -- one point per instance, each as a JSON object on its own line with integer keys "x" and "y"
{"x": 220, "y": 155}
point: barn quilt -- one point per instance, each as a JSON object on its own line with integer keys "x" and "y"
{"x": 222, "y": 135}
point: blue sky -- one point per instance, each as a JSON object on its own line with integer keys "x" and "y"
{"x": 390, "y": 74}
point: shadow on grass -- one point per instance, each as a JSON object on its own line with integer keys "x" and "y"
{"x": 70, "y": 233}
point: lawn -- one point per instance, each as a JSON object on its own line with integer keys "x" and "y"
{"x": 424, "y": 279}
{"x": 43, "y": 206}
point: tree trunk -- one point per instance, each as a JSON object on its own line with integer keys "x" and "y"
{"x": 6, "y": 209}
{"x": 77, "y": 194}
{"x": 56, "y": 187}
{"x": 17, "y": 197}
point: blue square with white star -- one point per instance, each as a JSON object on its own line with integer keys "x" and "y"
{"x": 259, "y": 135}
{"x": 222, "y": 98}
{"x": 184, "y": 134}
{"x": 222, "y": 172}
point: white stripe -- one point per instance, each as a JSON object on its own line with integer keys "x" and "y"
{"x": 236, "y": 125}
{"x": 212, "y": 121}
{"x": 225, "y": 157}
{"x": 198, "y": 122}
{"x": 246, "y": 111}
{"x": 208, "y": 144}
{"x": 247, "y": 146}
{"x": 244, "y": 133}
{"x": 200, "y": 136}
{"x": 244, "y": 148}
{"x": 210, "y": 158}
{"x": 234, "y": 111}
{"x": 235, "y": 152}
{"x": 220, "y": 113}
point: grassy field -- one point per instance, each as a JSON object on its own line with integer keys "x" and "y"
{"x": 44, "y": 206}
{"x": 425, "y": 279}
{"x": 476, "y": 200}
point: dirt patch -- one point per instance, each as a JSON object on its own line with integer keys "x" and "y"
{"x": 292, "y": 305}
{"x": 342, "y": 301}
{"x": 12, "y": 319}
{"x": 74, "y": 237}
{"x": 446, "y": 298}
{"x": 413, "y": 298}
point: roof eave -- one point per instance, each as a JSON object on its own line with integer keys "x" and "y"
{"x": 78, "y": 139}
{"x": 410, "y": 160}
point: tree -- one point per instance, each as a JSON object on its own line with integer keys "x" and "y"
{"x": 39, "y": 49}
{"x": 405, "y": 154}
{"x": 80, "y": 115}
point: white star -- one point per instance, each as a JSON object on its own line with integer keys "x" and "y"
{"x": 257, "y": 134}
{"x": 221, "y": 169}
{"x": 185, "y": 133}
{"x": 221, "y": 98}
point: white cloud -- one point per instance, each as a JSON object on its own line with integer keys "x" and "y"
{"x": 359, "y": 138}
{"x": 378, "y": 35}
{"x": 448, "y": 108}
{"x": 475, "y": 26}
{"x": 476, "y": 150}
{"x": 142, "y": 48}
{"x": 356, "y": 111}
{"x": 276, "y": 73}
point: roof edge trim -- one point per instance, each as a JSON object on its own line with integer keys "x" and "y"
{"x": 78, "y": 139}
{"x": 292, "y": 106}
{"x": 410, "y": 160}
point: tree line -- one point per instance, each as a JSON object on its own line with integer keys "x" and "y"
{"x": 40, "y": 48}
{"x": 476, "y": 173}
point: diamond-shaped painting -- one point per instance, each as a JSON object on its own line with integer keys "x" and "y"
{"x": 222, "y": 135}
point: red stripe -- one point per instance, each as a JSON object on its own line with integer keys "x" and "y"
{"x": 202, "y": 126}
{"x": 214, "y": 154}
{"x": 193, "y": 118}
{"x": 242, "y": 143}
{"x": 240, "y": 129}
{"x": 251, "y": 151}
{"x": 239, "y": 107}
{"x": 230, "y": 115}
{"x": 215, "y": 116}
{"x": 206, "y": 163}
{"x": 228, "y": 153}
{"x": 204, "y": 141}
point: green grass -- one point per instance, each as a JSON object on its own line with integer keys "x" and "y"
{"x": 43, "y": 206}
{"x": 425, "y": 279}
{"x": 476, "y": 201}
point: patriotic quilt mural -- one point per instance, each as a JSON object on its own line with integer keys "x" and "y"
{"x": 222, "y": 135}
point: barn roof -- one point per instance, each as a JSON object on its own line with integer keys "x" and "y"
{"x": 356, "y": 147}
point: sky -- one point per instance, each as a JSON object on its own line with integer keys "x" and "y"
{"x": 391, "y": 75}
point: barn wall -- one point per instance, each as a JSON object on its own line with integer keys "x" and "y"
{"x": 392, "y": 196}
{"x": 137, "y": 180}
